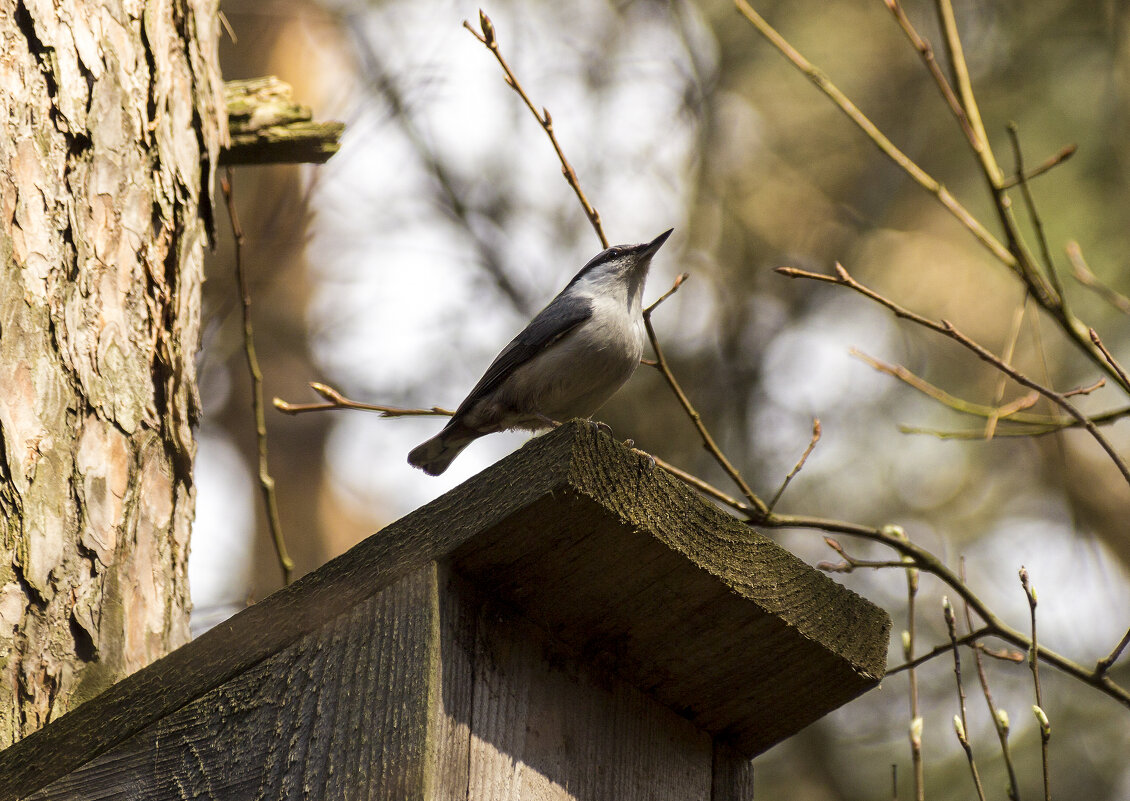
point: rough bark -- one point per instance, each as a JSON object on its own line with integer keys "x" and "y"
{"x": 111, "y": 115}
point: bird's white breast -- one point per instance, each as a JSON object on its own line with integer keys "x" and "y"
{"x": 576, "y": 375}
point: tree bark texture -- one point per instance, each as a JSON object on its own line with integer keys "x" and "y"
{"x": 112, "y": 115}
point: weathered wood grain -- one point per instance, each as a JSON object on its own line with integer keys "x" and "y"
{"x": 272, "y": 624}
{"x": 733, "y": 775}
{"x": 341, "y": 713}
{"x": 545, "y": 725}
{"x": 708, "y": 616}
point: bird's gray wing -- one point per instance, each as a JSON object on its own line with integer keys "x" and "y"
{"x": 549, "y": 326}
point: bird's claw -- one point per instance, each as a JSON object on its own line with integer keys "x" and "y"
{"x": 599, "y": 426}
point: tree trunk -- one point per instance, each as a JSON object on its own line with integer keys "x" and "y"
{"x": 111, "y": 115}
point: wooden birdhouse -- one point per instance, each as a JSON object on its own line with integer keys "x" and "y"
{"x": 571, "y": 623}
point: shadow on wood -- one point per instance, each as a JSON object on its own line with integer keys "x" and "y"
{"x": 571, "y": 623}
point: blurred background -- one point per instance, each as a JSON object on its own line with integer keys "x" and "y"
{"x": 396, "y": 272}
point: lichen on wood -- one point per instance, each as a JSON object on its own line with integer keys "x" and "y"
{"x": 268, "y": 127}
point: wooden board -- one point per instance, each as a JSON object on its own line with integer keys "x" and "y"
{"x": 703, "y": 613}
{"x": 425, "y": 691}
{"x": 544, "y": 725}
{"x": 341, "y": 713}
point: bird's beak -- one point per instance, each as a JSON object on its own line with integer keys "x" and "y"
{"x": 653, "y": 246}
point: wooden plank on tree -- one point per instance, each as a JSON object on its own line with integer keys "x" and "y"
{"x": 266, "y": 126}
{"x": 646, "y": 581}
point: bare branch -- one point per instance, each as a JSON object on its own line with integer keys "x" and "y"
{"x": 335, "y": 400}
{"x": 1034, "y": 664}
{"x": 961, "y": 723}
{"x": 266, "y": 481}
{"x": 1033, "y": 214}
{"x": 1064, "y": 153}
{"x": 800, "y": 463}
{"x": 490, "y": 41}
{"x": 1014, "y": 255}
{"x": 1107, "y": 661}
{"x": 946, "y": 328}
{"x": 1084, "y": 276}
{"x": 908, "y": 165}
{"x": 696, "y": 419}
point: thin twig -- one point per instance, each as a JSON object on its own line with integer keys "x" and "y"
{"x": 800, "y": 463}
{"x": 1107, "y": 661}
{"x": 908, "y": 165}
{"x": 225, "y": 23}
{"x": 850, "y": 562}
{"x": 487, "y": 37}
{"x": 1009, "y": 410}
{"x": 1033, "y": 213}
{"x": 927, "y": 53}
{"x": 850, "y": 567}
{"x": 970, "y": 639}
{"x": 916, "y": 722}
{"x": 1108, "y": 355}
{"x": 705, "y": 487}
{"x": 696, "y": 419}
{"x": 1087, "y": 390}
{"x": 1064, "y": 153}
{"x": 335, "y": 400}
{"x": 1084, "y": 276}
{"x": 680, "y": 279}
{"x": 1034, "y": 664}
{"x": 266, "y": 481}
{"x": 1007, "y": 356}
{"x": 946, "y": 328}
{"x": 999, "y": 716}
{"x": 960, "y": 722}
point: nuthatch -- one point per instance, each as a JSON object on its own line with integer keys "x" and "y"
{"x": 566, "y": 363}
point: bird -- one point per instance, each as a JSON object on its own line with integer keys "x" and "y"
{"x": 567, "y": 362}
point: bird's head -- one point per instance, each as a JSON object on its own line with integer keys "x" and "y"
{"x": 625, "y": 265}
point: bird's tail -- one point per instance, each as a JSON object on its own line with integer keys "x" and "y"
{"x": 435, "y": 455}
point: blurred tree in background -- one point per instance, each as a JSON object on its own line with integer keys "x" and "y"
{"x": 397, "y": 270}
